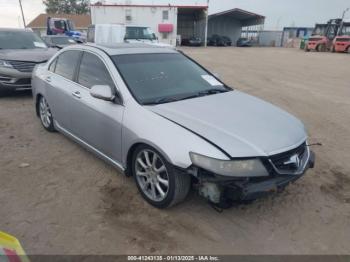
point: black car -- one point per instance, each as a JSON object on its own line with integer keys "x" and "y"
{"x": 216, "y": 40}
{"x": 228, "y": 41}
{"x": 244, "y": 42}
{"x": 193, "y": 41}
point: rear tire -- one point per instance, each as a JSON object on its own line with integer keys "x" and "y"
{"x": 159, "y": 183}
{"x": 45, "y": 114}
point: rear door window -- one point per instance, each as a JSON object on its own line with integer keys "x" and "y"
{"x": 93, "y": 72}
{"x": 67, "y": 63}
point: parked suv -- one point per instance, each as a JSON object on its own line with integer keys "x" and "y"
{"x": 58, "y": 41}
{"x": 167, "y": 121}
{"x": 20, "y": 51}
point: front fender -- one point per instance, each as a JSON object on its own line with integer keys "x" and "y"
{"x": 140, "y": 125}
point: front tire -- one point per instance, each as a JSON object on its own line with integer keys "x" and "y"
{"x": 45, "y": 114}
{"x": 321, "y": 48}
{"x": 159, "y": 183}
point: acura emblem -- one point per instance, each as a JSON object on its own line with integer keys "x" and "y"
{"x": 293, "y": 160}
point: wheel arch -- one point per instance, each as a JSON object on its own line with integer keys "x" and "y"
{"x": 130, "y": 151}
{"x": 316, "y": 47}
{"x": 323, "y": 45}
{"x": 37, "y": 98}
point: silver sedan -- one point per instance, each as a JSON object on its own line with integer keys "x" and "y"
{"x": 162, "y": 118}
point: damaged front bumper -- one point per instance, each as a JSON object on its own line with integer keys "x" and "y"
{"x": 218, "y": 189}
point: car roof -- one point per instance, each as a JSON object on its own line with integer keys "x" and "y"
{"x": 127, "y": 48}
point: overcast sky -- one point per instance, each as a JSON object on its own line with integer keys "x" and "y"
{"x": 279, "y": 13}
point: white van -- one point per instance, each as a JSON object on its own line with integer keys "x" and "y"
{"x": 103, "y": 34}
{"x": 119, "y": 33}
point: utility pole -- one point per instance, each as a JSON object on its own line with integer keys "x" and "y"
{"x": 206, "y": 25}
{"x": 24, "y": 21}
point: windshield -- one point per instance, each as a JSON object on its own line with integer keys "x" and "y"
{"x": 345, "y": 30}
{"x": 71, "y": 25}
{"x": 320, "y": 30}
{"x": 139, "y": 33}
{"x": 62, "y": 41}
{"x": 162, "y": 78}
{"x": 20, "y": 40}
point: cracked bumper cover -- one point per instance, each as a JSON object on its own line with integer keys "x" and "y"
{"x": 218, "y": 188}
{"x": 250, "y": 190}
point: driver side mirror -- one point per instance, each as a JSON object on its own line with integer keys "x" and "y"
{"x": 103, "y": 92}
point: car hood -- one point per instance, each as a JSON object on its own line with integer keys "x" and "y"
{"x": 241, "y": 125}
{"x": 28, "y": 55}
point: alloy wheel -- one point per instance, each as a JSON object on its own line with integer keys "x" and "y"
{"x": 152, "y": 175}
{"x": 45, "y": 113}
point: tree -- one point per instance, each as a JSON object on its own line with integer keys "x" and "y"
{"x": 67, "y": 6}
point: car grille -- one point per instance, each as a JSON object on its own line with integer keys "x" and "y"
{"x": 23, "y": 66}
{"x": 5, "y": 78}
{"x": 291, "y": 161}
{"x": 24, "y": 81}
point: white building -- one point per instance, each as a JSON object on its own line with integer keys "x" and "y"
{"x": 167, "y": 20}
{"x": 175, "y": 19}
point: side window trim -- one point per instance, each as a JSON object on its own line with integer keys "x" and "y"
{"x": 103, "y": 62}
{"x": 75, "y": 69}
{"x": 53, "y": 64}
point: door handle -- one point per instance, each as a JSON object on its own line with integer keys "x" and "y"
{"x": 48, "y": 79}
{"x": 76, "y": 94}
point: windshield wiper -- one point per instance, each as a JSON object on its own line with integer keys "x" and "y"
{"x": 206, "y": 92}
{"x": 212, "y": 91}
{"x": 162, "y": 101}
{"x": 199, "y": 94}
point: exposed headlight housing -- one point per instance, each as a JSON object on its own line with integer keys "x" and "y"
{"x": 4, "y": 63}
{"x": 231, "y": 168}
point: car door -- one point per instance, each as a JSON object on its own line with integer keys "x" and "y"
{"x": 60, "y": 85}
{"x": 95, "y": 121}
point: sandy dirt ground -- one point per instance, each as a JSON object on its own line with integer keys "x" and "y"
{"x": 58, "y": 198}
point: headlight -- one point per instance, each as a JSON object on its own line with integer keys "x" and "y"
{"x": 4, "y": 63}
{"x": 232, "y": 168}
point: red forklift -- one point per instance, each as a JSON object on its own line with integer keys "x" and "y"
{"x": 322, "y": 38}
{"x": 342, "y": 41}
